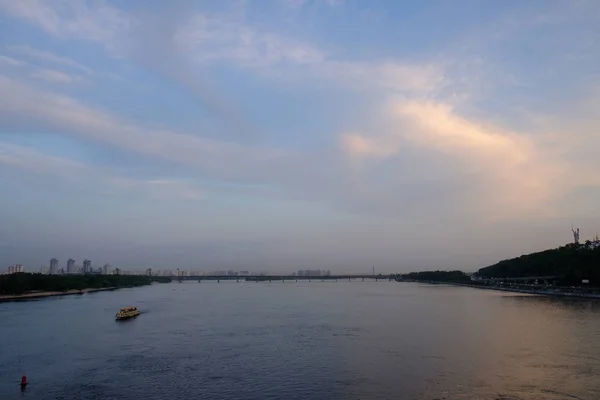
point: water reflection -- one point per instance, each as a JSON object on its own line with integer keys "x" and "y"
{"x": 570, "y": 303}
{"x": 304, "y": 341}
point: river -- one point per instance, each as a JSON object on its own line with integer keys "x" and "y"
{"x": 308, "y": 340}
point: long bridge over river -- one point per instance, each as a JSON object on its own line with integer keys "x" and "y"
{"x": 283, "y": 278}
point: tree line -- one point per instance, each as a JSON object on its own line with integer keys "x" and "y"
{"x": 455, "y": 276}
{"x": 20, "y": 283}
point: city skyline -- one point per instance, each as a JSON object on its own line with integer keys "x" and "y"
{"x": 297, "y": 134}
{"x": 191, "y": 271}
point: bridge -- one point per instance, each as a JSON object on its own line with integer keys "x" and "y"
{"x": 283, "y": 278}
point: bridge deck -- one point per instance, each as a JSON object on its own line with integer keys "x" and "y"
{"x": 282, "y": 277}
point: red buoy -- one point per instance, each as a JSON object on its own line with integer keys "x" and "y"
{"x": 24, "y": 380}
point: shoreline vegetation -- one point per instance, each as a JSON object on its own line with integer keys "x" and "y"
{"x": 589, "y": 293}
{"x": 572, "y": 270}
{"x": 26, "y": 286}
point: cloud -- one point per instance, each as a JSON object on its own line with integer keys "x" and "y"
{"x": 282, "y": 174}
{"x": 34, "y": 11}
{"x": 69, "y": 115}
{"x": 294, "y": 4}
{"x": 507, "y": 168}
{"x": 95, "y": 21}
{"x": 212, "y": 39}
{"x": 298, "y": 4}
{"x": 11, "y": 61}
{"x": 510, "y": 174}
{"x": 387, "y": 75}
{"x": 512, "y": 168}
{"x": 209, "y": 38}
{"x": 50, "y": 75}
{"x": 182, "y": 189}
{"x": 102, "y": 180}
{"x": 358, "y": 145}
{"x": 50, "y": 57}
{"x": 36, "y": 162}
{"x": 506, "y": 175}
{"x": 442, "y": 129}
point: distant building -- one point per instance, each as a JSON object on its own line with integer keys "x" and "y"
{"x": 53, "y": 266}
{"x": 11, "y": 269}
{"x": 149, "y": 272}
{"x": 19, "y": 268}
{"x": 71, "y": 266}
{"x": 105, "y": 269}
{"x": 117, "y": 271}
{"x": 309, "y": 272}
{"x": 87, "y": 266}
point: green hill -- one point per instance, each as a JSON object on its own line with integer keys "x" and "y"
{"x": 570, "y": 264}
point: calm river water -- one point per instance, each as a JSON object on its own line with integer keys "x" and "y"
{"x": 318, "y": 340}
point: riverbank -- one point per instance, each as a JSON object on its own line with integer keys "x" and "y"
{"x": 540, "y": 292}
{"x": 43, "y": 294}
{"x": 533, "y": 291}
{"x": 26, "y": 286}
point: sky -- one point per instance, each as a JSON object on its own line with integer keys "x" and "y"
{"x": 284, "y": 134}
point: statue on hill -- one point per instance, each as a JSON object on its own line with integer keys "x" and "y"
{"x": 575, "y": 235}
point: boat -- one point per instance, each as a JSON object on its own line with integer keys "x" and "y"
{"x": 128, "y": 312}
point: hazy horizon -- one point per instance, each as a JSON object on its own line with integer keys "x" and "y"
{"x": 287, "y": 134}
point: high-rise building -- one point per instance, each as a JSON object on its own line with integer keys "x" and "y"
{"x": 87, "y": 266}
{"x": 53, "y": 266}
{"x": 19, "y": 268}
{"x": 105, "y": 269}
{"x": 71, "y": 266}
{"x": 11, "y": 269}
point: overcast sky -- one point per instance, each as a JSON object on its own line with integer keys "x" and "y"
{"x": 280, "y": 134}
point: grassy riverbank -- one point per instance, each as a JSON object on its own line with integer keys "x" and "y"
{"x": 42, "y": 294}
{"x": 26, "y": 286}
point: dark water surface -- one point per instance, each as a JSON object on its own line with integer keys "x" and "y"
{"x": 330, "y": 340}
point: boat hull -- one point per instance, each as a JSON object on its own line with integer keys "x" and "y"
{"x": 121, "y": 315}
